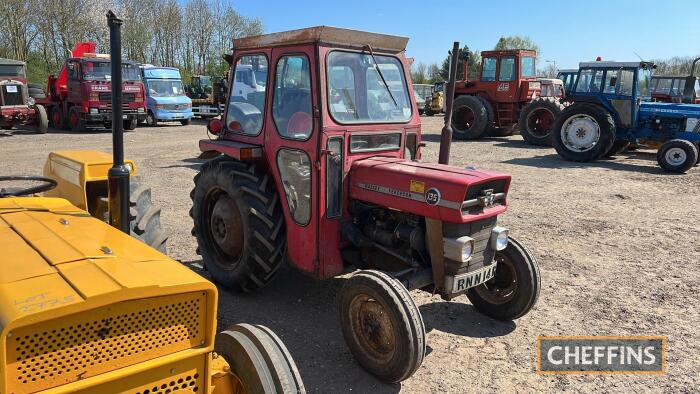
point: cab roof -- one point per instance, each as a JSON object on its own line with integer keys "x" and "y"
{"x": 509, "y": 52}
{"x": 12, "y": 62}
{"x": 602, "y": 64}
{"x": 324, "y": 35}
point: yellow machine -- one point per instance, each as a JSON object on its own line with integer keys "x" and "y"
{"x": 436, "y": 103}
{"x": 87, "y": 308}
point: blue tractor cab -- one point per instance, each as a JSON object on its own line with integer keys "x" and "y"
{"x": 568, "y": 77}
{"x": 165, "y": 96}
{"x": 610, "y": 108}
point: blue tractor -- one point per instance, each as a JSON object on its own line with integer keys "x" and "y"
{"x": 610, "y": 108}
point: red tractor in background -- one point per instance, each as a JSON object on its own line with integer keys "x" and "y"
{"x": 80, "y": 97}
{"x": 506, "y": 94}
{"x": 17, "y": 106}
{"x": 321, "y": 168}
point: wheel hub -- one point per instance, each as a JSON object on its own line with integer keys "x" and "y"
{"x": 540, "y": 122}
{"x": 226, "y": 227}
{"x": 372, "y": 327}
{"x": 580, "y": 133}
{"x": 676, "y": 156}
{"x": 463, "y": 118}
{"x": 501, "y": 288}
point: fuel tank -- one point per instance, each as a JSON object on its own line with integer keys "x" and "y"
{"x": 447, "y": 193}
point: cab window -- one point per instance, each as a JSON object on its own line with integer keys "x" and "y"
{"x": 507, "y": 70}
{"x": 291, "y": 107}
{"x": 626, "y": 83}
{"x": 488, "y": 70}
{"x": 246, "y": 104}
{"x": 527, "y": 67}
{"x": 610, "y": 81}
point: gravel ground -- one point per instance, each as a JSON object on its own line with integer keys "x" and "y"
{"x": 617, "y": 242}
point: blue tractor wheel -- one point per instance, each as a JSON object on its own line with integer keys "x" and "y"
{"x": 583, "y": 132}
{"x": 677, "y": 155}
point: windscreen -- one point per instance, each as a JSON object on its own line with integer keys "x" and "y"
{"x": 165, "y": 88}
{"x": 12, "y": 70}
{"x": 362, "y": 91}
{"x": 102, "y": 71}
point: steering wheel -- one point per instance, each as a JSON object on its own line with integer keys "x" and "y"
{"x": 46, "y": 185}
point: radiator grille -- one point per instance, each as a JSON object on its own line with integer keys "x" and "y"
{"x": 188, "y": 381}
{"x": 482, "y": 254}
{"x": 126, "y": 97}
{"x": 97, "y": 341}
{"x": 11, "y": 98}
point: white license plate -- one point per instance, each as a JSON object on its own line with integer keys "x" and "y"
{"x": 471, "y": 279}
{"x": 124, "y": 116}
{"x": 11, "y": 89}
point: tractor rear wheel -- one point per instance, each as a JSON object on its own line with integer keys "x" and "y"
{"x": 42, "y": 119}
{"x": 515, "y": 288}
{"x": 677, "y": 155}
{"x": 536, "y": 120}
{"x": 583, "y": 132}
{"x": 238, "y": 223}
{"x": 382, "y": 325}
{"x": 469, "y": 118}
{"x": 259, "y": 359}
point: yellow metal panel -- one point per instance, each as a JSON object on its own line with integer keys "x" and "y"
{"x": 34, "y": 295}
{"x": 12, "y": 204}
{"x": 90, "y": 343}
{"x": 88, "y": 279}
{"x": 19, "y": 260}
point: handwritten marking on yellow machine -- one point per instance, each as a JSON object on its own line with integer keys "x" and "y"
{"x": 87, "y": 308}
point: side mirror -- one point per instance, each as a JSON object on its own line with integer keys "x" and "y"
{"x": 215, "y": 126}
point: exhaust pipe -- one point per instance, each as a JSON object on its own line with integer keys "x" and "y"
{"x": 446, "y": 135}
{"x": 118, "y": 175}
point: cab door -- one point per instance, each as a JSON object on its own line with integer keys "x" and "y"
{"x": 74, "y": 76}
{"x": 291, "y": 147}
{"x": 507, "y": 88}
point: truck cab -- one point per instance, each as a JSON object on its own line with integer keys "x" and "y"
{"x": 17, "y": 107}
{"x": 166, "y": 100}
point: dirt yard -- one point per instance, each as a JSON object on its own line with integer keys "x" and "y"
{"x": 618, "y": 243}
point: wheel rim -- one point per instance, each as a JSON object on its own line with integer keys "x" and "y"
{"x": 372, "y": 328}
{"x": 539, "y": 122}
{"x": 463, "y": 118}
{"x": 580, "y": 133}
{"x": 149, "y": 119}
{"x": 676, "y": 156}
{"x": 56, "y": 117}
{"x": 73, "y": 119}
{"x": 224, "y": 227}
{"x": 503, "y": 286}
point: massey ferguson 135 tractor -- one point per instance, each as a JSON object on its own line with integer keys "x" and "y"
{"x": 17, "y": 107}
{"x": 84, "y": 308}
{"x": 607, "y": 113}
{"x": 80, "y": 97}
{"x": 322, "y": 169}
{"x": 507, "y": 93}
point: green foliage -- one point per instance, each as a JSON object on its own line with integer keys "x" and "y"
{"x": 516, "y": 42}
{"x": 473, "y": 64}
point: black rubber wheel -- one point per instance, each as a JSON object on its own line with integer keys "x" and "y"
{"x": 428, "y": 111}
{"x": 130, "y": 124}
{"x": 151, "y": 119}
{"x": 382, "y": 326}
{"x": 515, "y": 288}
{"x": 583, "y": 132}
{"x": 536, "y": 121}
{"x": 677, "y": 156}
{"x": 75, "y": 121}
{"x": 469, "y": 118}
{"x": 238, "y": 223}
{"x": 42, "y": 120}
{"x": 186, "y": 122}
{"x": 618, "y": 147}
{"x": 58, "y": 120}
{"x": 259, "y": 359}
{"x": 491, "y": 129}
{"x": 697, "y": 146}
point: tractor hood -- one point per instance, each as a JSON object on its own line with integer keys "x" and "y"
{"x": 670, "y": 109}
{"x": 442, "y": 192}
{"x": 59, "y": 257}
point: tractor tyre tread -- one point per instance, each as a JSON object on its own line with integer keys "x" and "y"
{"x": 478, "y": 128}
{"x": 42, "y": 121}
{"x": 145, "y": 217}
{"x": 605, "y": 123}
{"x": 549, "y": 104}
{"x": 690, "y": 149}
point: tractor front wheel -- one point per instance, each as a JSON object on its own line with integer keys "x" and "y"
{"x": 259, "y": 359}
{"x": 514, "y": 289}
{"x": 469, "y": 118}
{"x": 583, "y": 132}
{"x": 536, "y": 120}
{"x": 238, "y": 223}
{"x": 382, "y": 326}
{"x": 677, "y": 156}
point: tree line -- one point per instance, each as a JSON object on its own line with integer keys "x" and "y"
{"x": 191, "y": 35}
{"x": 431, "y": 73}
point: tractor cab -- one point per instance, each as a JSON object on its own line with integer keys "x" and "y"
{"x": 611, "y": 107}
{"x": 568, "y": 77}
{"x": 319, "y": 166}
{"x": 671, "y": 89}
{"x": 506, "y": 75}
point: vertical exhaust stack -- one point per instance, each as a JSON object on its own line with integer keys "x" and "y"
{"x": 446, "y": 136}
{"x": 118, "y": 176}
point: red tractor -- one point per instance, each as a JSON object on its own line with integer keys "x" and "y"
{"x": 321, "y": 168}
{"x": 506, "y": 94}
{"x": 80, "y": 97}
{"x": 17, "y": 106}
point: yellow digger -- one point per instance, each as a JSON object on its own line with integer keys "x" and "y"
{"x": 85, "y": 307}
{"x": 435, "y": 103}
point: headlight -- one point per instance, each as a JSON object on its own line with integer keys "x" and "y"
{"x": 31, "y": 101}
{"x": 499, "y": 238}
{"x": 140, "y": 109}
{"x": 94, "y": 110}
{"x": 458, "y": 249}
